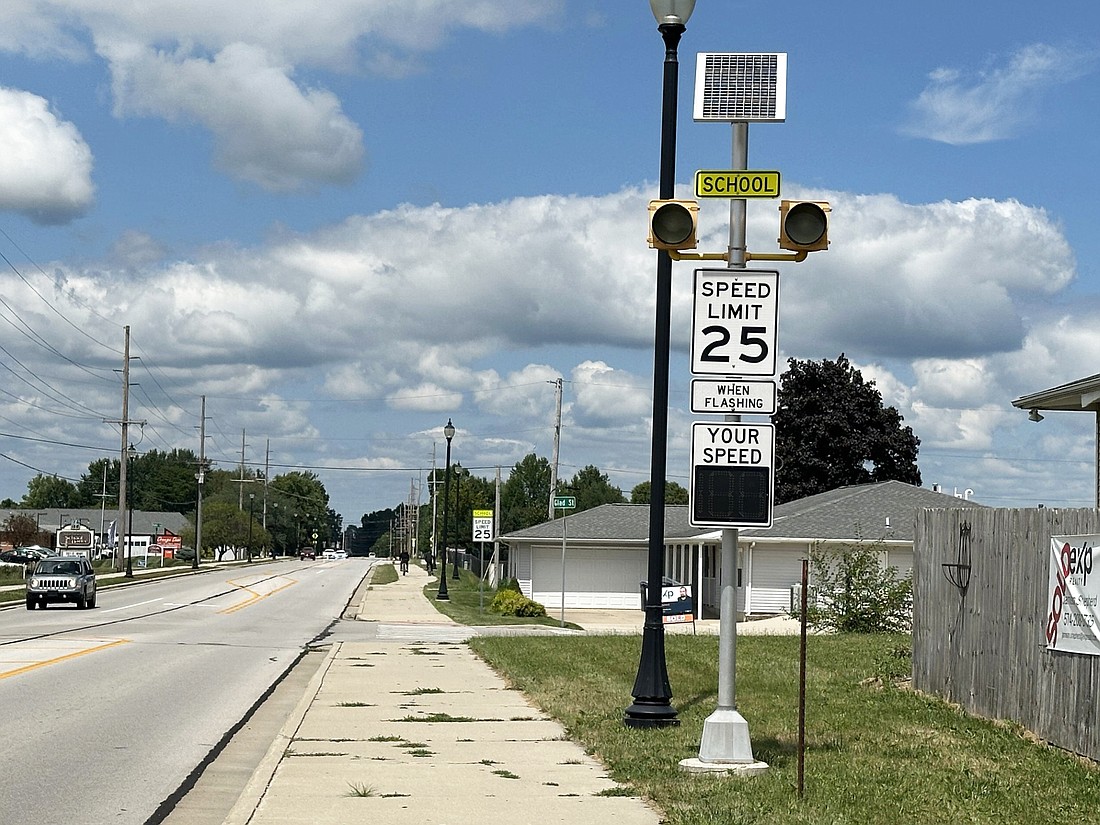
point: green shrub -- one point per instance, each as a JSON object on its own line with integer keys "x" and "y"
{"x": 512, "y": 584}
{"x": 508, "y": 602}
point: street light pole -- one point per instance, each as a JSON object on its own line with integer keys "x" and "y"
{"x": 130, "y": 453}
{"x": 448, "y": 433}
{"x": 251, "y": 504}
{"x": 652, "y": 693}
{"x": 454, "y": 555}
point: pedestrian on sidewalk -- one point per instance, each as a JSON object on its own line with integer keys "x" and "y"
{"x": 404, "y": 562}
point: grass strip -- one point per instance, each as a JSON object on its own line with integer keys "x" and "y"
{"x": 876, "y": 752}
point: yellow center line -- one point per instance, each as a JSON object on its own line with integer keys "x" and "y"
{"x": 255, "y": 597}
{"x": 66, "y": 657}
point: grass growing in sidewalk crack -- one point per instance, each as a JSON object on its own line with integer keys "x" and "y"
{"x": 506, "y": 774}
{"x": 441, "y": 717}
{"x": 353, "y": 705}
{"x": 360, "y": 789}
{"x": 420, "y": 691}
{"x": 390, "y": 738}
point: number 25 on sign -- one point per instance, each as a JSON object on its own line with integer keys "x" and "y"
{"x": 735, "y": 320}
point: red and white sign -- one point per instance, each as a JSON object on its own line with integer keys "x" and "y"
{"x": 1072, "y": 620}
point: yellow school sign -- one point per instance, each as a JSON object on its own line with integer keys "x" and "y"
{"x": 736, "y": 183}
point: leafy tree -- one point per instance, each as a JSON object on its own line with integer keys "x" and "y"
{"x": 674, "y": 493}
{"x": 525, "y": 496}
{"x": 21, "y": 530}
{"x": 50, "y": 491}
{"x": 224, "y": 524}
{"x": 593, "y": 488}
{"x": 852, "y": 591}
{"x": 832, "y": 430}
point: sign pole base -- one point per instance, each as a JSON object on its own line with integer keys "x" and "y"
{"x": 725, "y": 747}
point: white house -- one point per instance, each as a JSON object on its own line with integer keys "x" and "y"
{"x": 606, "y": 548}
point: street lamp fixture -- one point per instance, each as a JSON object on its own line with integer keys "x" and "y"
{"x": 131, "y": 453}
{"x": 454, "y": 555}
{"x": 448, "y": 433}
{"x": 251, "y": 503}
{"x": 652, "y": 693}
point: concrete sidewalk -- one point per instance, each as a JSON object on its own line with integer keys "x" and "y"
{"x": 411, "y": 727}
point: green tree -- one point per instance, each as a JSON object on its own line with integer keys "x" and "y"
{"x": 224, "y": 524}
{"x": 525, "y": 496}
{"x": 853, "y": 591}
{"x": 593, "y": 488}
{"x": 833, "y": 430}
{"x": 674, "y": 493}
{"x": 21, "y": 530}
{"x": 50, "y": 491}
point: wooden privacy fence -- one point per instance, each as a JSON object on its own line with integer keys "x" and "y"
{"x": 983, "y": 646}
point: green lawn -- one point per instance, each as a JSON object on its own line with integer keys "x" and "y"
{"x": 876, "y": 753}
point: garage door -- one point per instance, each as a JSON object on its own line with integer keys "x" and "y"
{"x": 772, "y": 575}
{"x": 594, "y": 578}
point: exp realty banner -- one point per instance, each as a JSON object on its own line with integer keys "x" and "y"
{"x": 1073, "y": 594}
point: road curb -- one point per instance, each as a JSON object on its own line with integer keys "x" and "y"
{"x": 257, "y": 786}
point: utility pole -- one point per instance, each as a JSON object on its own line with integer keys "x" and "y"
{"x": 240, "y": 489}
{"x": 267, "y": 476}
{"x": 554, "y": 461}
{"x": 125, "y": 422}
{"x": 201, "y": 477}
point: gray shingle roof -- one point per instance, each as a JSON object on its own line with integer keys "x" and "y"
{"x": 846, "y": 513}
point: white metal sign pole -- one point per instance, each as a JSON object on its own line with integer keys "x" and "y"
{"x": 726, "y": 732}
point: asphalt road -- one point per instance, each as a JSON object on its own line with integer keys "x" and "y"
{"x": 106, "y": 713}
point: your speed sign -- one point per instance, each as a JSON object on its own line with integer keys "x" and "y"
{"x": 735, "y": 322}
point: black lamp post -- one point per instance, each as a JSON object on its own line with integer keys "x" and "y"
{"x": 251, "y": 504}
{"x": 130, "y": 453}
{"x": 652, "y": 693}
{"x": 274, "y": 529}
{"x": 449, "y": 433}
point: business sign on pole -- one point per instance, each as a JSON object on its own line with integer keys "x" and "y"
{"x": 1072, "y": 621}
{"x": 483, "y": 525}
{"x": 733, "y": 396}
{"x": 732, "y": 478}
{"x": 735, "y": 322}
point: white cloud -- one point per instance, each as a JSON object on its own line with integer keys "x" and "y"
{"x": 232, "y": 67}
{"x": 995, "y": 103}
{"x": 45, "y": 165}
{"x": 267, "y": 130}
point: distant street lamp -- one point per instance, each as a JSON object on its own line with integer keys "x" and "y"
{"x": 274, "y": 528}
{"x": 251, "y": 503}
{"x": 449, "y": 433}
{"x": 454, "y": 555}
{"x": 652, "y": 693}
{"x": 130, "y": 454}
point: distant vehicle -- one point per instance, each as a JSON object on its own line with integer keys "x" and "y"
{"x": 341, "y": 554}
{"x": 62, "y": 579}
{"x": 307, "y": 553}
{"x": 329, "y": 553}
{"x": 22, "y": 555}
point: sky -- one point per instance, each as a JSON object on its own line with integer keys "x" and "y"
{"x": 347, "y": 223}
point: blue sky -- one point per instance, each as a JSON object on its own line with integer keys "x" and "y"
{"x": 346, "y": 224}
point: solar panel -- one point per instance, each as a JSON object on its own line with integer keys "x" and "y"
{"x": 741, "y": 87}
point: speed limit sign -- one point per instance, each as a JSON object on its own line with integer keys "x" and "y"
{"x": 483, "y": 525}
{"x": 735, "y": 320}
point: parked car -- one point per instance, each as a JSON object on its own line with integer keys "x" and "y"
{"x": 307, "y": 553}
{"x": 22, "y": 555}
{"x": 62, "y": 579}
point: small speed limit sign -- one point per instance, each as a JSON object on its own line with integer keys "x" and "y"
{"x": 483, "y": 525}
{"x": 735, "y": 321}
